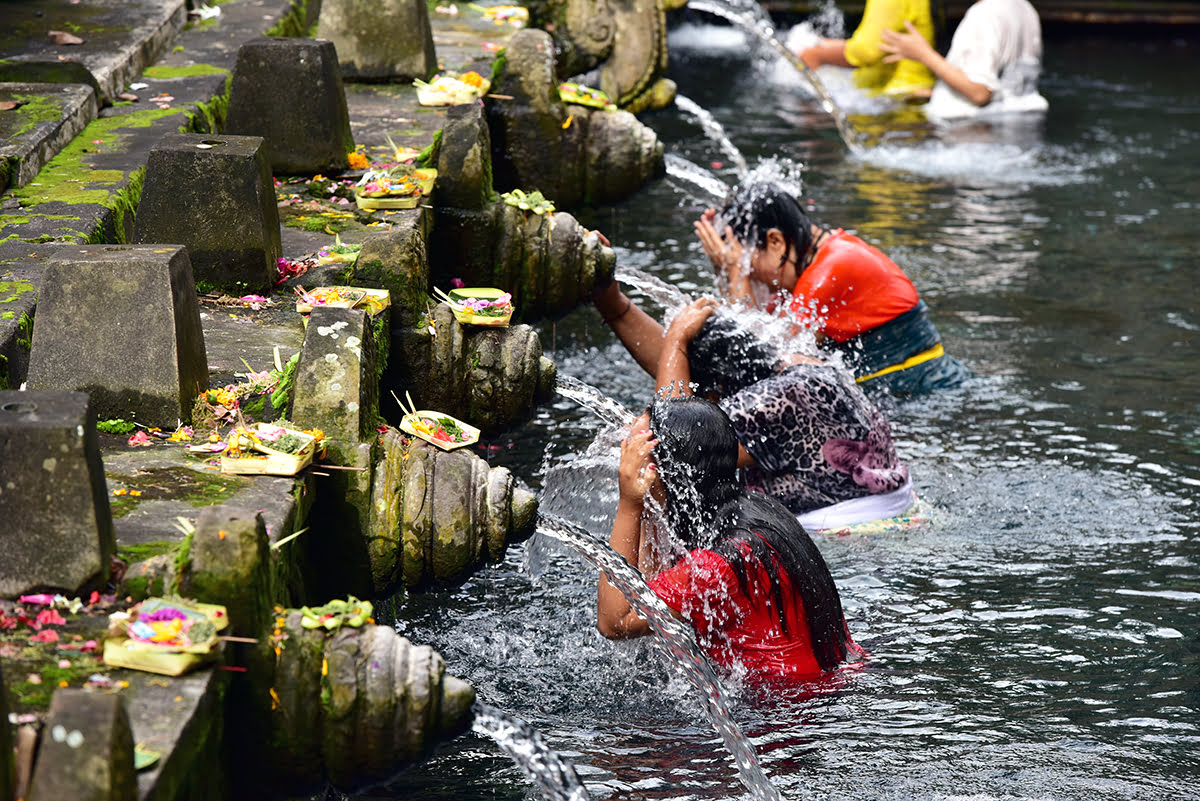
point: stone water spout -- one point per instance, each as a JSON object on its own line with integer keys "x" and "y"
{"x": 356, "y": 704}
{"x": 618, "y": 46}
{"x": 549, "y": 262}
{"x": 490, "y": 377}
{"x": 573, "y": 154}
{"x": 436, "y": 515}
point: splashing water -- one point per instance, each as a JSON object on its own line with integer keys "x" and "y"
{"x": 693, "y": 174}
{"x": 714, "y": 131}
{"x": 676, "y": 639}
{"x": 759, "y": 25}
{"x": 554, "y": 775}
{"x": 607, "y": 409}
{"x": 653, "y": 287}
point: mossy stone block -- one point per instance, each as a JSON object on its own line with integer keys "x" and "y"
{"x": 86, "y": 750}
{"x": 337, "y": 386}
{"x": 290, "y": 92}
{"x": 214, "y": 194}
{"x": 122, "y": 324}
{"x": 465, "y": 159}
{"x": 379, "y": 40}
{"x": 397, "y": 261}
{"x": 57, "y": 530}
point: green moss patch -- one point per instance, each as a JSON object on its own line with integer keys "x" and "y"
{"x": 12, "y": 289}
{"x": 142, "y": 551}
{"x": 70, "y": 177}
{"x": 37, "y": 109}
{"x": 196, "y": 487}
{"x": 164, "y": 72}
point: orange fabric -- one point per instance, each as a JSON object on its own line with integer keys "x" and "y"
{"x": 734, "y": 627}
{"x": 850, "y": 287}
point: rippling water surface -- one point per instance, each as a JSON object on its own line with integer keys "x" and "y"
{"x": 1039, "y": 639}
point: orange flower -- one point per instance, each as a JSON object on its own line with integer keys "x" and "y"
{"x": 357, "y": 161}
{"x": 472, "y": 78}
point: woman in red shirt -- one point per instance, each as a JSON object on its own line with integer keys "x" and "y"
{"x": 752, "y": 584}
{"x": 856, "y": 299}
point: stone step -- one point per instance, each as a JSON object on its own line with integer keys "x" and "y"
{"x": 120, "y": 38}
{"x": 33, "y": 133}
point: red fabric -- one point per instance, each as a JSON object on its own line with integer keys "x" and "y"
{"x": 850, "y": 287}
{"x": 735, "y": 627}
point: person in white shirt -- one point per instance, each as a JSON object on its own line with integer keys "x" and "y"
{"x": 993, "y": 64}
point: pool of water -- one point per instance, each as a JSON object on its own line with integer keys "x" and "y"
{"x": 1039, "y": 639}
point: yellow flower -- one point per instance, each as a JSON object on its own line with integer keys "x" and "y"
{"x": 357, "y": 161}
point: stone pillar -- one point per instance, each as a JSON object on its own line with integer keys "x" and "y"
{"x": 215, "y": 195}
{"x": 57, "y": 528}
{"x": 289, "y": 92}
{"x": 398, "y": 261}
{"x": 380, "y": 40}
{"x": 86, "y": 750}
{"x": 337, "y": 380}
{"x": 465, "y": 159}
{"x": 121, "y": 323}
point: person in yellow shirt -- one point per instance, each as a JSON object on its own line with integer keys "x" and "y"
{"x": 903, "y": 78}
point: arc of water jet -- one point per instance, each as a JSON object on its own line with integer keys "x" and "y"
{"x": 542, "y": 765}
{"x": 675, "y": 637}
{"x": 767, "y": 34}
{"x": 715, "y": 131}
{"x": 604, "y": 407}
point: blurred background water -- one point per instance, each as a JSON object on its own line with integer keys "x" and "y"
{"x": 1038, "y": 640}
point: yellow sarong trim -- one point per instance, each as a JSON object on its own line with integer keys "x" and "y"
{"x": 912, "y": 361}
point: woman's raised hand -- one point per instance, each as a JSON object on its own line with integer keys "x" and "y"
{"x": 690, "y": 320}
{"x": 723, "y": 250}
{"x": 636, "y": 473}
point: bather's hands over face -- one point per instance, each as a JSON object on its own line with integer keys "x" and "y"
{"x": 722, "y": 248}
{"x": 637, "y": 472}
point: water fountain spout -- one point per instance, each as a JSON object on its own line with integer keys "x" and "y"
{"x": 554, "y": 775}
{"x": 677, "y": 641}
{"x": 759, "y": 25}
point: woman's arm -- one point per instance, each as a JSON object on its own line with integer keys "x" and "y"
{"x": 827, "y": 51}
{"x": 674, "y": 371}
{"x": 913, "y": 45}
{"x": 614, "y": 616}
{"x": 640, "y": 333}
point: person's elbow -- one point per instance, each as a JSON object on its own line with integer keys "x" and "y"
{"x": 978, "y": 93}
{"x": 611, "y": 629}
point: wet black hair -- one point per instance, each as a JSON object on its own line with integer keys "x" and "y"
{"x": 697, "y": 460}
{"x": 754, "y": 209}
{"x": 725, "y": 358}
{"x": 696, "y": 456}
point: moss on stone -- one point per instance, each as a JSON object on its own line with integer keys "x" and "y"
{"x": 196, "y": 487}
{"x": 25, "y": 332}
{"x": 69, "y": 179}
{"x": 142, "y": 551}
{"x": 37, "y": 109}
{"x": 12, "y": 289}
{"x": 294, "y": 23}
{"x": 192, "y": 70}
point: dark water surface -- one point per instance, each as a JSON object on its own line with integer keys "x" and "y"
{"x": 1039, "y": 639}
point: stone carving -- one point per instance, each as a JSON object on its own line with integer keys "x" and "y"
{"x": 489, "y": 377}
{"x": 436, "y": 515}
{"x": 618, "y": 46}
{"x": 572, "y": 154}
{"x": 358, "y": 704}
